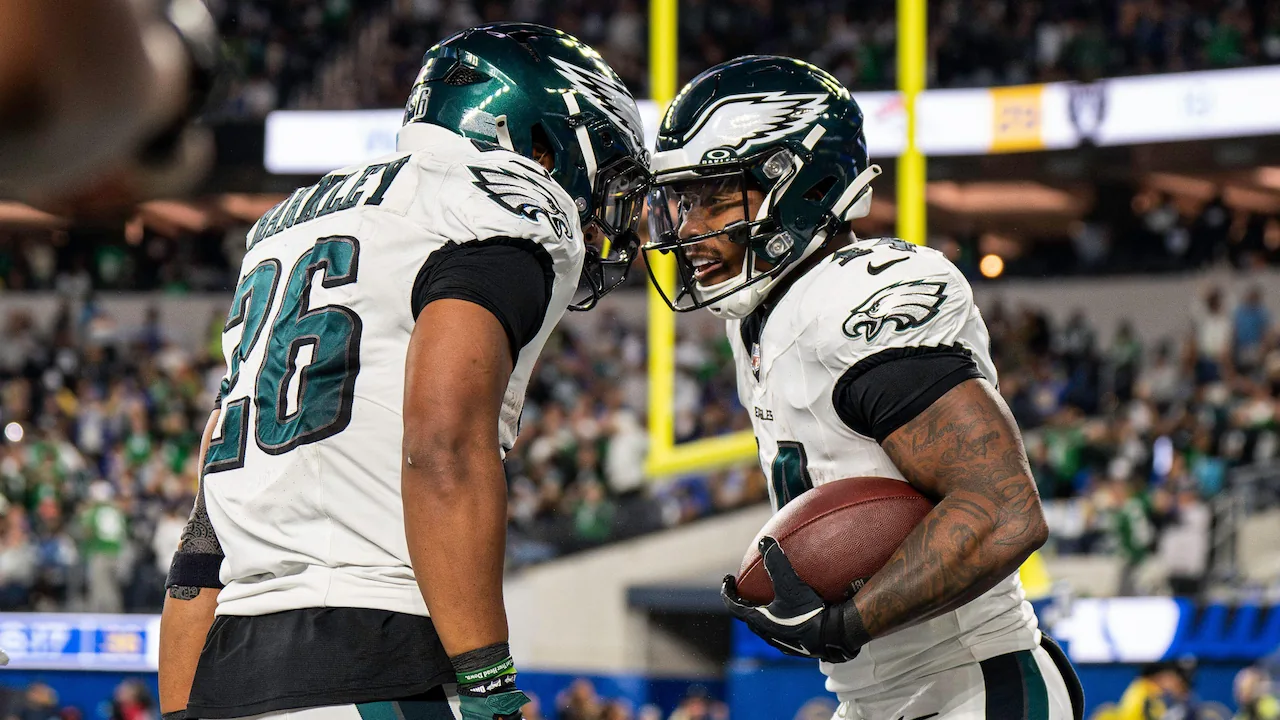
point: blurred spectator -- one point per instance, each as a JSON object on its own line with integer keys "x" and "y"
{"x": 579, "y": 701}
{"x": 132, "y": 701}
{"x": 1254, "y": 696}
{"x": 1163, "y": 382}
{"x": 532, "y": 710}
{"x": 105, "y": 532}
{"x": 40, "y": 702}
{"x": 617, "y": 710}
{"x": 17, "y": 558}
{"x": 1251, "y": 326}
{"x": 1132, "y": 531}
{"x": 1211, "y": 330}
{"x": 1184, "y": 541}
{"x": 1161, "y": 690}
{"x": 593, "y": 516}
{"x": 697, "y": 705}
{"x": 168, "y": 532}
{"x": 624, "y": 465}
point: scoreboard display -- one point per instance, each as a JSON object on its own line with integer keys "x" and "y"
{"x": 68, "y": 641}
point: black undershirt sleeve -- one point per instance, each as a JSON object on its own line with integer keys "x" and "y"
{"x": 885, "y": 391}
{"x": 510, "y": 277}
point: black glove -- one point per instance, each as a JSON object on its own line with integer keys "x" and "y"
{"x": 487, "y": 684}
{"x": 798, "y": 622}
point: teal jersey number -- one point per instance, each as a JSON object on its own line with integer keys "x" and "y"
{"x": 250, "y": 305}
{"x": 789, "y": 473}
{"x": 325, "y": 385}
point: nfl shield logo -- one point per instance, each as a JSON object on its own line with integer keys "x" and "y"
{"x": 755, "y": 360}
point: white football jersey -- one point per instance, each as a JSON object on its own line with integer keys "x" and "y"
{"x": 870, "y": 296}
{"x": 303, "y": 480}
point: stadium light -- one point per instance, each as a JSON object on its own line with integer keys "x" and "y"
{"x": 991, "y": 266}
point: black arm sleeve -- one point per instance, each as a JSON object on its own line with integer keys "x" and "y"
{"x": 885, "y": 391}
{"x": 510, "y": 277}
{"x": 199, "y": 555}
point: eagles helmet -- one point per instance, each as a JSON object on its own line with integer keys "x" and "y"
{"x": 515, "y": 85}
{"x": 782, "y": 127}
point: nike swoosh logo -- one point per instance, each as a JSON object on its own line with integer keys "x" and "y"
{"x": 800, "y": 648}
{"x": 922, "y": 717}
{"x": 877, "y": 269}
{"x": 791, "y": 621}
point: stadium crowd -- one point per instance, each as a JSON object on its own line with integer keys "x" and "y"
{"x": 132, "y": 700}
{"x": 101, "y": 423}
{"x": 278, "y": 48}
{"x": 1134, "y": 231}
{"x": 1161, "y": 691}
{"x": 1129, "y": 230}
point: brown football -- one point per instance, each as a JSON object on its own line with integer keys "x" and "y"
{"x": 836, "y": 536}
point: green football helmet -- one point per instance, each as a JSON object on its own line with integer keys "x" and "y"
{"x": 779, "y": 126}
{"x": 515, "y": 85}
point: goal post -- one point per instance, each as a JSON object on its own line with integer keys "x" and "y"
{"x": 912, "y": 65}
{"x": 667, "y": 458}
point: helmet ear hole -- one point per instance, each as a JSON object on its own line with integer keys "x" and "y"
{"x": 462, "y": 75}
{"x": 819, "y": 190}
{"x": 544, "y": 153}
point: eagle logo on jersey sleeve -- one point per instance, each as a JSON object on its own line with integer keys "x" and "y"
{"x": 902, "y": 305}
{"x": 521, "y": 194}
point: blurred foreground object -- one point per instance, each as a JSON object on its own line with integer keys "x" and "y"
{"x": 97, "y": 98}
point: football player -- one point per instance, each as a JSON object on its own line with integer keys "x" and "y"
{"x": 96, "y": 98}
{"x": 353, "y": 503}
{"x": 858, "y": 358}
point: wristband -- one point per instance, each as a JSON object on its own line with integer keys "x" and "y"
{"x": 846, "y": 630}
{"x": 485, "y": 671}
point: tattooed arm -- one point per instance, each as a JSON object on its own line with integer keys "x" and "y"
{"x": 188, "y": 608}
{"x": 965, "y": 449}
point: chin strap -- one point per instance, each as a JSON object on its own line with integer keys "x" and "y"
{"x": 503, "y": 131}
{"x": 855, "y": 201}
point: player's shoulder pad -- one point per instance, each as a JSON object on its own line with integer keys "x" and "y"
{"x": 492, "y": 192}
{"x": 884, "y": 293}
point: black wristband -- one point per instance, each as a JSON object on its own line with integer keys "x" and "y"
{"x": 847, "y": 632}
{"x": 195, "y": 570}
{"x": 175, "y": 715}
{"x": 480, "y": 658}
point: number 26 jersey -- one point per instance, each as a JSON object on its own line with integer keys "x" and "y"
{"x": 302, "y": 480}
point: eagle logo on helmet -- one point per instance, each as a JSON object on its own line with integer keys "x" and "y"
{"x": 522, "y": 194}
{"x": 904, "y": 305}
{"x": 609, "y": 95}
{"x": 732, "y": 125}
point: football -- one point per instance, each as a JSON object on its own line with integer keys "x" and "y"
{"x": 836, "y": 536}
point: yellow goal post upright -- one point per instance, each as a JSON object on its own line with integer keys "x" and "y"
{"x": 666, "y": 458}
